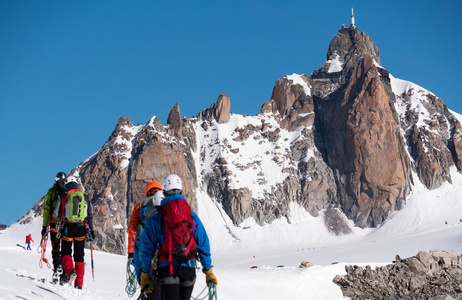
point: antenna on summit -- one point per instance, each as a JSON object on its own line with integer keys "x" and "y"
{"x": 352, "y": 19}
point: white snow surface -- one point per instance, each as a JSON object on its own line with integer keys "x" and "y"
{"x": 335, "y": 64}
{"x": 429, "y": 220}
{"x": 256, "y": 164}
{"x": 417, "y": 97}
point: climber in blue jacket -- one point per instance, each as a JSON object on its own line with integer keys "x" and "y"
{"x": 176, "y": 278}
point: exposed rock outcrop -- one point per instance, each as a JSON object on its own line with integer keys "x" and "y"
{"x": 219, "y": 111}
{"x": 428, "y": 275}
{"x": 290, "y": 99}
{"x": 175, "y": 122}
{"x": 456, "y": 137}
{"x": 364, "y": 147}
{"x": 223, "y": 108}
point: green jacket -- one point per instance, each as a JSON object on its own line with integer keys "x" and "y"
{"x": 49, "y": 205}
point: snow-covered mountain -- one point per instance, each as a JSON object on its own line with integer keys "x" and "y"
{"x": 431, "y": 219}
{"x": 345, "y": 148}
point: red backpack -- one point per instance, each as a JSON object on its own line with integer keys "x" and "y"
{"x": 179, "y": 243}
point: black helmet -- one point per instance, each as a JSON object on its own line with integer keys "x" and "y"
{"x": 60, "y": 176}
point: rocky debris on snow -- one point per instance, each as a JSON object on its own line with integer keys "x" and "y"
{"x": 305, "y": 264}
{"x": 428, "y": 275}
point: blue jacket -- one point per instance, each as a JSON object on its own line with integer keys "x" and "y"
{"x": 153, "y": 236}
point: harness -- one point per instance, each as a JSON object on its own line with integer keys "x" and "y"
{"x": 70, "y": 239}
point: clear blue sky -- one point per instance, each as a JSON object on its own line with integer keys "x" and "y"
{"x": 70, "y": 69}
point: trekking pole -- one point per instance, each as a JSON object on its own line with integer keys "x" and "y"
{"x": 92, "y": 265}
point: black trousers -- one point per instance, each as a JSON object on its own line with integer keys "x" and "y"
{"x": 155, "y": 295}
{"x": 76, "y": 234}
{"x": 178, "y": 286}
{"x": 55, "y": 245}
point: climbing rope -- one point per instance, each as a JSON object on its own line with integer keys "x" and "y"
{"x": 132, "y": 281}
{"x": 212, "y": 294}
{"x": 42, "y": 249}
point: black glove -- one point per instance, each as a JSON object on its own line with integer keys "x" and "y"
{"x": 92, "y": 232}
{"x": 44, "y": 230}
{"x": 130, "y": 255}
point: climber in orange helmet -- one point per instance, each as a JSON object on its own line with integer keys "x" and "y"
{"x": 140, "y": 214}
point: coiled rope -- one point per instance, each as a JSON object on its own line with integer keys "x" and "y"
{"x": 212, "y": 294}
{"x": 42, "y": 249}
{"x": 132, "y": 281}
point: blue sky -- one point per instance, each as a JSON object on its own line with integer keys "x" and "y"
{"x": 70, "y": 69}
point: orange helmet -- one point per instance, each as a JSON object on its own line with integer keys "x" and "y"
{"x": 152, "y": 185}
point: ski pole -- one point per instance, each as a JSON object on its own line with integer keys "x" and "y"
{"x": 92, "y": 265}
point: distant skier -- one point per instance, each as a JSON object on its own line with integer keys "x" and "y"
{"x": 28, "y": 240}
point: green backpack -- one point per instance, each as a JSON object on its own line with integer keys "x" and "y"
{"x": 75, "y": 207}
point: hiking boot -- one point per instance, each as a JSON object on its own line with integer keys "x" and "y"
{"x": 78, "y": 287}
{"x": 63, "y": 279}
{"x": 71, "y": 277}
{"x": 57, "y": 274}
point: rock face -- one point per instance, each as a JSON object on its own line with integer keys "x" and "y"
{"x": 219, "y": 111}
{"x": 364, "y": 146}
{"x": 342, "y": 144}
{"x": 428, "y": 275}
{"x": 223, "y": 107}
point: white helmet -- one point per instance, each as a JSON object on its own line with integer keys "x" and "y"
{"x": 157, "y": 198}
{"x": 172, "y": 182}
{"x": 70, "y": 179}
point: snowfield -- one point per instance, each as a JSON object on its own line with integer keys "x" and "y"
{"x": 429, "y": 220}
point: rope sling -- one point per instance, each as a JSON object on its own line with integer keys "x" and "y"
{"x": 132, "y": 281}
{"x": 42, "y": 249}
{"x": 211, "y": 295}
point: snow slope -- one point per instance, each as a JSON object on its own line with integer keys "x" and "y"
{"x": 430, "y": 219}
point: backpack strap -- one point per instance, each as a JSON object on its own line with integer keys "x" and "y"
{"x": 170, "y": 252}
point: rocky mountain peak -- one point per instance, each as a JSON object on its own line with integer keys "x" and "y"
{"x": 119, "y": 130}
{"x": 346, "y": 49}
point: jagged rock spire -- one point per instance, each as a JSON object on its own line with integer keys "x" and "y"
{"x": 174, "y": 120}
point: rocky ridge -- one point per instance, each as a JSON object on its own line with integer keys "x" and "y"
{"x": 428, "y": 275}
